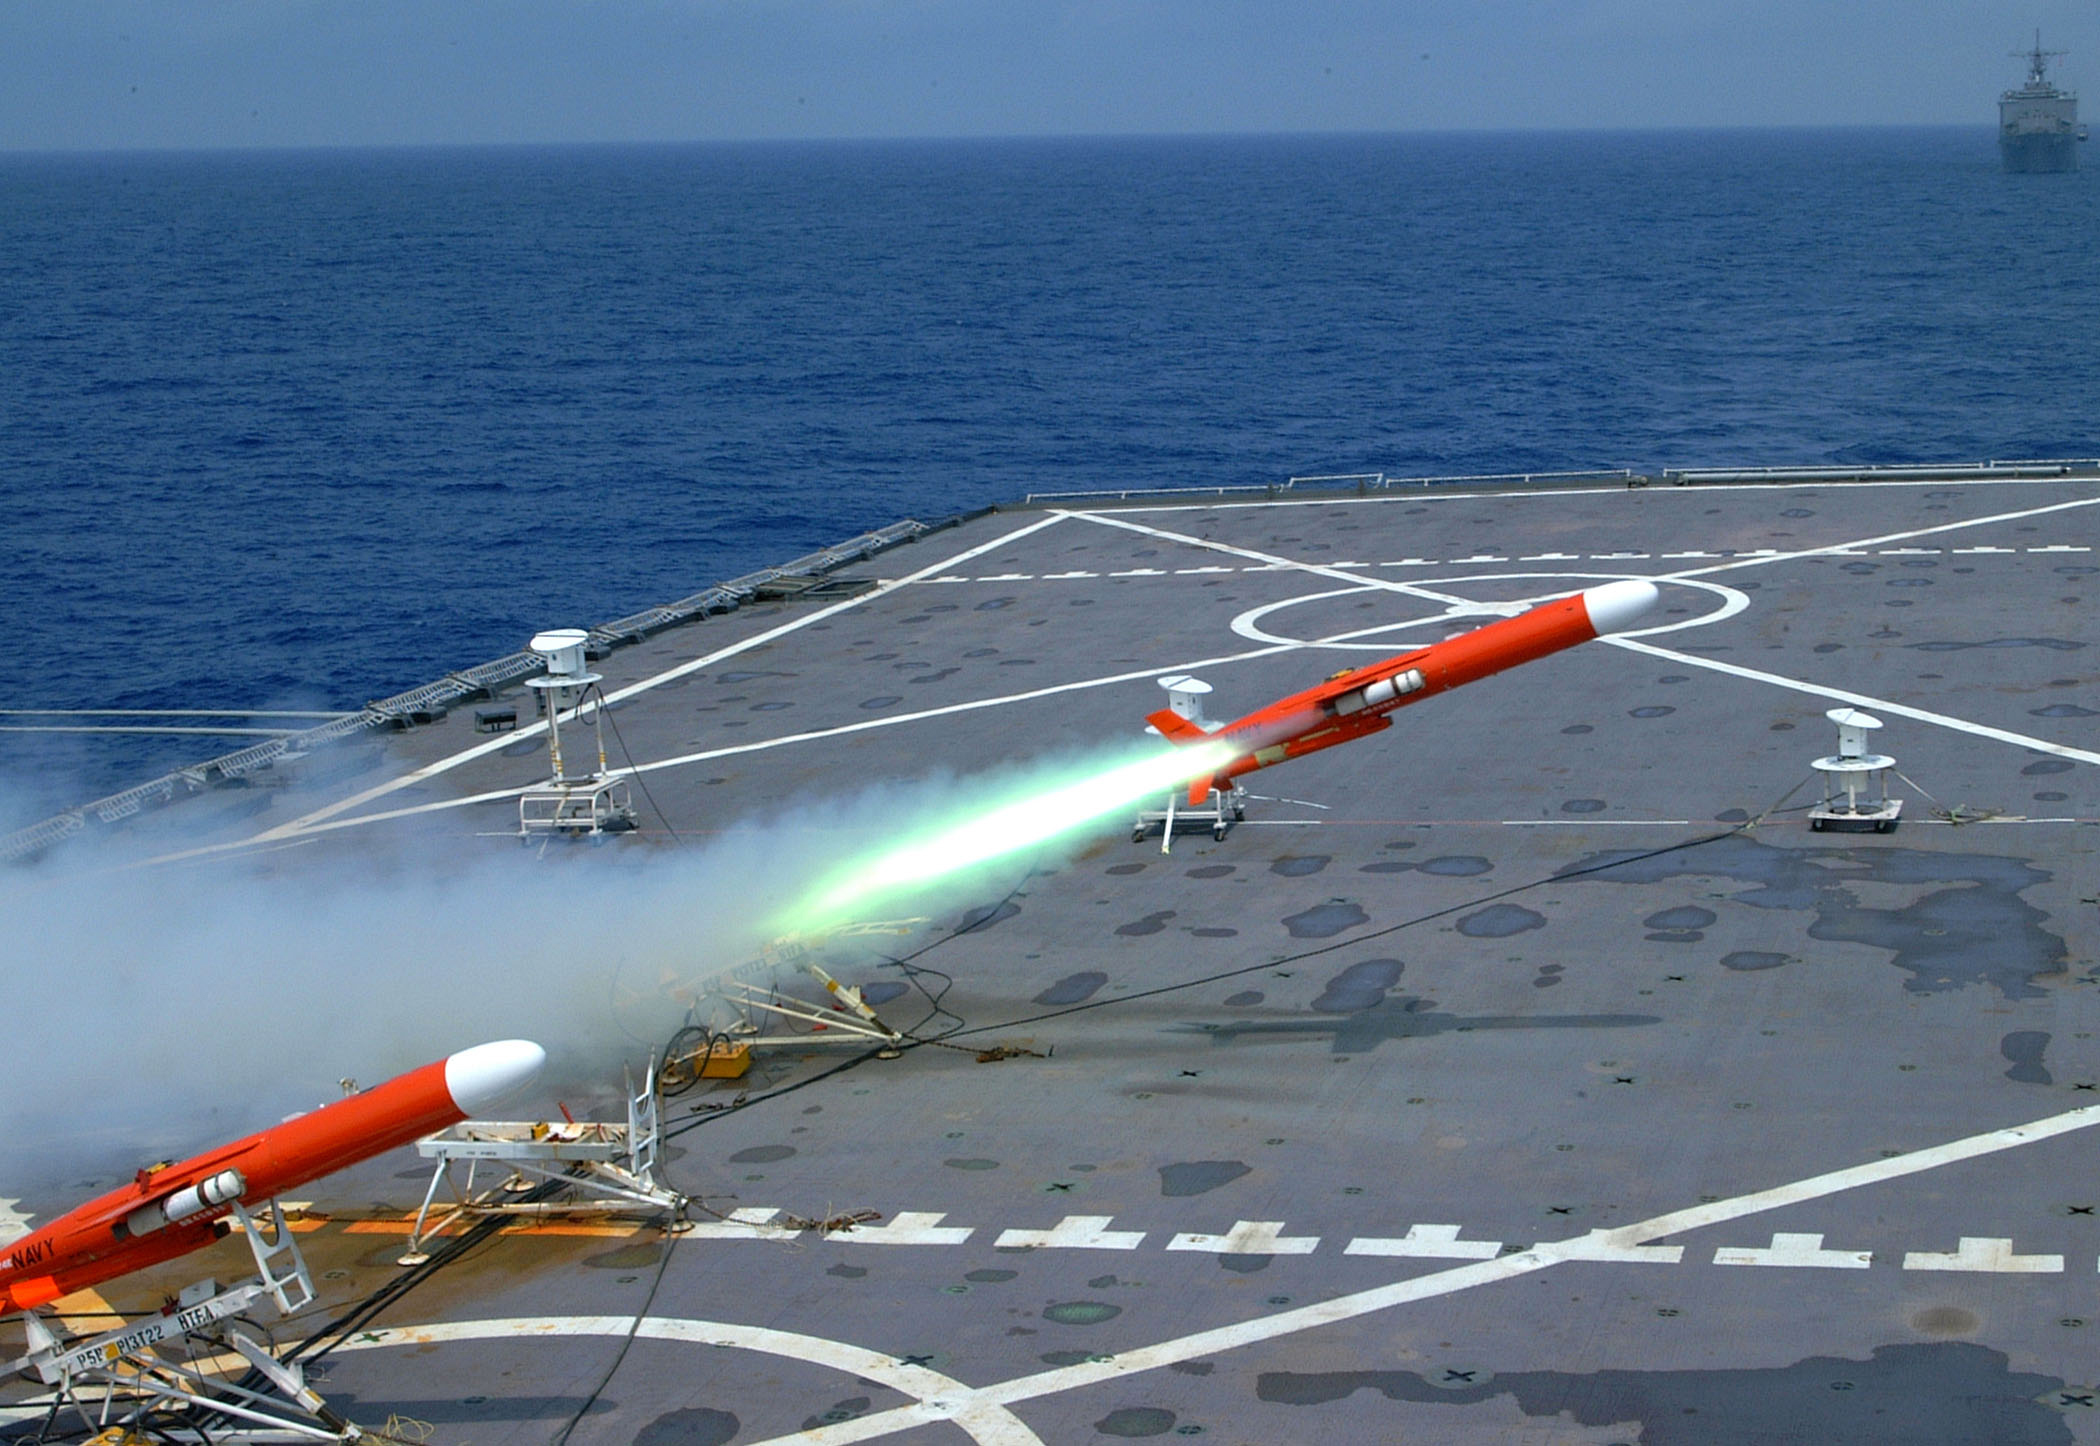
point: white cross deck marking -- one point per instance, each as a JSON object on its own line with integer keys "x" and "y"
{"x": 750, "y": 1223}
{"x": 1428, "y": 1242}
{"x": 1447, "y": 1282}
{"x": 1074, "y": 1232}
{"x": 1982, "y": 1253}
{"x": 1249, "y": 1237}
{"x": 1805, "y": 1251}
{"x": 13, "y": 1223}
{"x": 909, "y": 1227}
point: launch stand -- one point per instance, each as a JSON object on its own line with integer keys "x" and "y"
{"x": 566, "y": 806}
{"x": 149, "y": 1377}
{"x": 1223, "y": 809}
{"x": 612, "y": 1165}
{"x": 1855, "y": 781}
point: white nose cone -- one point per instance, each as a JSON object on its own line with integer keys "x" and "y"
{"x": 1614, "y": 605}
{"x": 488, "y": 1074}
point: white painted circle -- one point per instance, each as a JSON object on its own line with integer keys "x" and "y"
{"x": 949, "y": 1399}
{"x": 1249, "y": 624}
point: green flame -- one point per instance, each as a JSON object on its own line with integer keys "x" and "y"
{"x": 1002, "y": 829}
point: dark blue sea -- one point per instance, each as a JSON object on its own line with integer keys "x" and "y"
{"x": 302, "y": 429}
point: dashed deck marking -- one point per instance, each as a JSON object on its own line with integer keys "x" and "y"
{"x": 986, "y": 1421}
{"x": 1854, "y": 548}
{"x": 1857, "y": 700}
{"x": 1074, "y": 1232}
{"x": 1448, "y": 1282}
{"x": 1429, "y": 495}
{"x": 1798, "y": 1251}
{"x": 1249, "y": 1237}
{"x": 1429, "y": 1242}
{"x": 1984, "y": 1253}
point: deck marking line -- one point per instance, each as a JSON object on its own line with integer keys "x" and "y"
{"x": 752, "y": 1222}
{"x": 1805, "y": 1251}
{"x": 1249, "y": 1237}
{"x": 1458, "y": 1278}
{"x": 1857, "y": 700}
{"x": 1074, "y": 1232}
{"x": 986, "y": 1421}
{"x": 1317, "y": 568}
{"x": 909, "y": 1227}
{"x": 1983, "y": 1253}
{"x": 443, "y": 765}
{"x": 1431, "y": 1242}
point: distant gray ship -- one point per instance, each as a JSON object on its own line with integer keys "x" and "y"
{"x": 2038, "y": 127}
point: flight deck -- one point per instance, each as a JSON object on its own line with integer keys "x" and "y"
{"x": 1531, "y": 1071}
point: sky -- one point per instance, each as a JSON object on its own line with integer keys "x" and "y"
{"x": 150, "y": 74}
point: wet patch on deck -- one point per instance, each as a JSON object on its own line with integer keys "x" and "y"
{"x": 1073, "y": 988}
{"x": 1324, "y": 921}
{"x": 1500, "y": 921}
{"x": 1952, "y": 1392}
{"x": 2023, "y": 1049}
{"x": 1976, "y": 930}
{"x": 695, "y": 1426}
{"x": 1199, "y": 1177}
{"x": 1359, "y": 987}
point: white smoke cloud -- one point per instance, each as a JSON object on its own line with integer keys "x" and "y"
{"x": 155, "y": 1011}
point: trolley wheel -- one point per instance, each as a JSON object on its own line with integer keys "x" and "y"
{"x": 1815, "y": 825}
{"x": 1887, "y": 825}
{"x": 1217, "y": 831}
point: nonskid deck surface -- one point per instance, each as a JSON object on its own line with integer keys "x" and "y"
{"x": 1550, "y": 1075}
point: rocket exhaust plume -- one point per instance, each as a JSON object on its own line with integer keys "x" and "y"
{"x": 986, "y": 835}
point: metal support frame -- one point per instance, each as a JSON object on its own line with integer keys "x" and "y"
{"x": 114, "y": 1381}
{"x": 580, "y": 809}
{"x": 862, "y": 1026}
{"x": 615, "y": 1164}
{"x": 1224, "y": 808}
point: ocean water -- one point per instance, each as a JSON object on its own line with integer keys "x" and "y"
{"x": 303, "y": 429}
